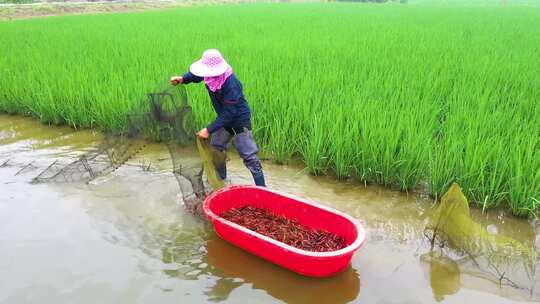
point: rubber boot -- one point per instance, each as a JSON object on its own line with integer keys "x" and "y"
{"x": 259, "y": 180}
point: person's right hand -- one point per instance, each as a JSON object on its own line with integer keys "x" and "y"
{"x": 175, "y": 80}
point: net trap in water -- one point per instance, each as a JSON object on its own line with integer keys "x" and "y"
{"x": 460, "y": 245}
{"x": 164, "y": 116}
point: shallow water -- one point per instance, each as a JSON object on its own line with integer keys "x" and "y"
{"x": 124, "y": 238}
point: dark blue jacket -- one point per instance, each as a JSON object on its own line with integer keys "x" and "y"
{"x": 229, "y": 103}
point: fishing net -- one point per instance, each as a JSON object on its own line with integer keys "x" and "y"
{"x": 108, "y": 156}
{"x": 211, "y": 159}
{"x": 164, "y": 116}
{"x": 494, "y": 257}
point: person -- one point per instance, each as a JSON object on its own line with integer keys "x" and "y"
{"x": 233, "y": 112}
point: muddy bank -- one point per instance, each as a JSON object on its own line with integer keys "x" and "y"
{"x": 9, "y": 11}
{"x": 126, "y": 237}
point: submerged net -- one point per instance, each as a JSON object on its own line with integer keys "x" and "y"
{"x": 108, "y": 156}
{"x": 164, "y": 116}
{"x": 494, "y": 257}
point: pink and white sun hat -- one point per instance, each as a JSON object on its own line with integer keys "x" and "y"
{"x": 211, "y": 64}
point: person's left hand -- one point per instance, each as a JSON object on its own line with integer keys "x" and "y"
{"x": 203, "y": 133}
{"x": 176, "y": 80}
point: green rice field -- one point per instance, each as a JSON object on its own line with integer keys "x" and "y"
{"x": 400, "y": 95}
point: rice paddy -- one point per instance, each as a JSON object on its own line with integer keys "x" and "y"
{"x": 400, "y": 95}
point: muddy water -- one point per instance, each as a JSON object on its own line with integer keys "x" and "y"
{"x": 124, "y": 238}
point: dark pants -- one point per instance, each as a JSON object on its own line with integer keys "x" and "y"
{"x": 247, "y": 148}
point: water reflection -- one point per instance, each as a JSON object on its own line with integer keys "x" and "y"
{"x": 236, "y": 267}
{"x": 188, "y": 258}
{"x": 443, "y": 273}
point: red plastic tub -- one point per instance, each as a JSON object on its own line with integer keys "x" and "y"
{"x": 308, "y": 263}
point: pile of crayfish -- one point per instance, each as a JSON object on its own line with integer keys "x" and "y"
{"x": 284, "y": 229}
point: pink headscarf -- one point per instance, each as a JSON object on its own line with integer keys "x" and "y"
{"x": 215, "y": 83}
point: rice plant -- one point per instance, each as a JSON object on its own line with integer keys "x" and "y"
{"x": 392, "y": 94}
